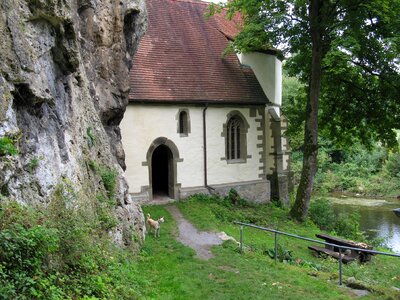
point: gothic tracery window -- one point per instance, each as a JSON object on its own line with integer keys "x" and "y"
{"x": 234, "y": 138}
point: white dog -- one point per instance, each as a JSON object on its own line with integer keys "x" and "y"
{"x": 155, "y": 224}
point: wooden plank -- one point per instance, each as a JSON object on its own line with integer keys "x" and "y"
{"x": 342, "y": 242}
{"x": 345, "y": 258}
{"x": 362, "y": 256}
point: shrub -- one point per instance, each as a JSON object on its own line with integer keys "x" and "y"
{"x": 33, "y": 164}
{"x": 348, "y": 225}
{"x": 59, "y": 252}
{"x": 283, "y": 255}
{"x": 233, "y": 198}
{"x": 392, "y": 166}
{"x": 109, "y": 178}
{"x": 7, "y": 147}
{"x": 26, "y": 248}
{"x": 103, "y": 209}
{"x": 322, "y": 214}
{"x": 23, "y": 253}
{"x": 361, "y": 170}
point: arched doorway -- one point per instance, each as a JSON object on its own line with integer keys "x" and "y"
{"x": 162, "y": 171}
{"x": 162, "y": 158}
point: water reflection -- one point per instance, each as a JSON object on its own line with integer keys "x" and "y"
{"x": 377, "y": 219}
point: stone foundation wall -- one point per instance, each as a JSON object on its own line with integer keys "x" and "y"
{"x": 255, "y": 191}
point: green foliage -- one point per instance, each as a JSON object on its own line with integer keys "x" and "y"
{"x": 165, "y": 268}
{"x": 61, "y": 252}
{"x": 33, "y": 164}
{"x": 108, "y": 177}
{"x": 368, "y": 172}
{"x": 234, "y": 198}
{"x": 294, "y": 99}
{"x": 286, "y": 256}
{"x": 103, "y": 209}
{"x": 392, "y": 166}
{"x": 23, "y": 251}
{"x": 26, "y": 247}
{"x": 223, "y": 210}
{"x": 7, "y": 147}
{"x": 93, "y": 165}
{"x": 90, "y": 137}
{"x": 346, "y": 53}
{"x": 283, "y": 255}
{"x": 347, "y": 225}
{"x": 322, "y": 214}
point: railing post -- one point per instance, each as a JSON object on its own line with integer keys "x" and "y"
{"x": 276, "y": 233}
{"x": 340, "y": 266}
{"x": 241, "y": 238}
{"x": 276, "y": 246}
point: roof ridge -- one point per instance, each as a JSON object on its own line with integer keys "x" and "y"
{"x": 193, "y": 1}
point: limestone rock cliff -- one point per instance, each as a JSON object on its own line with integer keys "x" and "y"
{"x": 64, "y": 68}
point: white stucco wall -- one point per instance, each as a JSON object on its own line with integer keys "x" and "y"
{"x": 268, "y": 70}
{"x": 219, "y": 170}
{"x": 142, "y": 124}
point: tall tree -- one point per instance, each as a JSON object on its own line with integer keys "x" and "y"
{"x": 346, "y": 52}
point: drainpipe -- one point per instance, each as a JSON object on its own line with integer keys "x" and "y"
{"x": 210, "y": 189}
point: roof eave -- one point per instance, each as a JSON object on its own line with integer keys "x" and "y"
{"x": 198, "y": 102}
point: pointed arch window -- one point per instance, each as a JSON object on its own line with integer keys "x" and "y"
{"x": 235, "y": 133}
{"x": 234, "y": 138}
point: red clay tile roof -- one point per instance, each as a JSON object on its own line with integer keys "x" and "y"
{"x": 180, "y": 58}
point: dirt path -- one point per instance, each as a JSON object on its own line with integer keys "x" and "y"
{"x": 200, "y": 241}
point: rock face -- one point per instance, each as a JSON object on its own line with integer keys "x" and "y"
{"x": 64, "y": 68}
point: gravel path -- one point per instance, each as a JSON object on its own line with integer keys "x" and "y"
{"x": 200, "y": 241}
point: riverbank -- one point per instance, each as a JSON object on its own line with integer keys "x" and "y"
{"x": 376, "y": 217}
{"x": 373, "y": 173}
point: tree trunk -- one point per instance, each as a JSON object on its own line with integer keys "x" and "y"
{"x": 300, "y": 208}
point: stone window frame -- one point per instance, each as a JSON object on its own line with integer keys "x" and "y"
{"x": 235, "y": 125}
{"x": 183, "y": 126}
{"x": 244, "y": 128}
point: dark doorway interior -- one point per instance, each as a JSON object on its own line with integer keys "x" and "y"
{"x": 160, "y": 169}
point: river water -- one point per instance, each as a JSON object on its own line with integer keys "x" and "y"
{"x": 377, "y": 217}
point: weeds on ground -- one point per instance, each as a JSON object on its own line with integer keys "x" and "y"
{"x": 61, "y": 252}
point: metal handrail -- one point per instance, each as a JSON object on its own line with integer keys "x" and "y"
{"x": 277, "y": 232}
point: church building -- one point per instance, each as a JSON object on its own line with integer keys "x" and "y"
{"x": 199, "y": 121}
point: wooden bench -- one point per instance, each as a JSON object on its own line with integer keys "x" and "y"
{"x": 362, "y": 256}
{"x": 356, "y": 254}
{"x": 345, "y": 258}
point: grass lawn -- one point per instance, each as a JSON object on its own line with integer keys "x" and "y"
{"x": 169, "y": 270}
